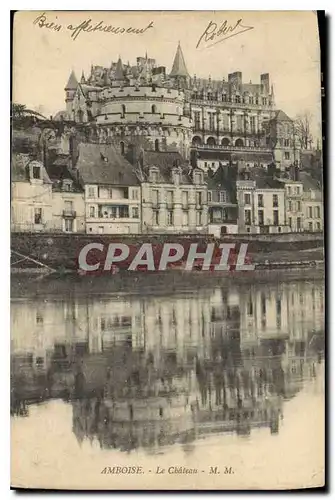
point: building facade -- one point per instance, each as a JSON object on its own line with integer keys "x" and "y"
{"x": 31, "y": 209}
{"x": 174, "y": 195}
{"x": 112, "y": 191}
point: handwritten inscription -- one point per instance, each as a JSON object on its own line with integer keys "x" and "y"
{"x": 87, "y": 26}
{"x": 218, "y": 33}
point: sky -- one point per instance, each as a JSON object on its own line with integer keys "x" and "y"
{"x": 283, "y": 43}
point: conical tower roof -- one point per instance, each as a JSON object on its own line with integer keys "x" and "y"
{"x": 119, "y": 73}
{"x": 72, "y": 83}
{"x": 179, "y": 66}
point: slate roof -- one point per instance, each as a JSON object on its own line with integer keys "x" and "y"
{"x": 19, "y": 164}
{"x": 102, "y": 164}
{"x": 59, "y": 171}
{"x": 72, "y": 82}
{"x": 280, "y": 116}
{"x": 165, "y": 161}
{"x": 179, "y": 65}
{"x": 309, "y": 183}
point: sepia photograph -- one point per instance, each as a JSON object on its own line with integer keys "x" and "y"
{"x": 167, "y": 319}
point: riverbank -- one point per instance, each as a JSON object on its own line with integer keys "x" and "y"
{"x": 134, "y": 283}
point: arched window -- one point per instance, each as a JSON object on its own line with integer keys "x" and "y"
{"x": 156, "y": 145}
{"x": 123, "y": 109}
{"x": 225, "y": 142}
{"x": 196, "y": 141}
{"x": 211, "y": 141}
{"x": 153, "y": 109}
{"x": 239, "y": 142}
{"x": 122, "y": 147}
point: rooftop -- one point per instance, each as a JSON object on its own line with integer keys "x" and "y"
{"x": 102, "y": 164}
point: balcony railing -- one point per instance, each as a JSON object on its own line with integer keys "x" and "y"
{"x": 228, "y": 103}
{"x": 69, "y": 213}
{"x": 232, "y": 148}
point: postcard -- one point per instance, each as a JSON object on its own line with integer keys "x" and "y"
{"x": 167, "y": 251}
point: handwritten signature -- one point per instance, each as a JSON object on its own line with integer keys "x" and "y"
{"x": 219, "y": 34}
{"x": 87, "y": 26}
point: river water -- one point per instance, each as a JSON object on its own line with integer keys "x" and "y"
{"x": 220, "y": 387}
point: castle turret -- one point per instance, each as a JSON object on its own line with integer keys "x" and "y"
{"x": 179, "y": 71}
{"x": 70, "y": 90}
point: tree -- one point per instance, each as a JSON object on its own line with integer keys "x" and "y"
{"x": 302, "y": 126}
{"x": 20, "y": 111}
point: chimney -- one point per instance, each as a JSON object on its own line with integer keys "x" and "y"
{"x": 265, "y": 82}
{"x": 235, "y": 79}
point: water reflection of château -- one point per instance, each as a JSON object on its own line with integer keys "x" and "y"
{"x": 156, "y": 370}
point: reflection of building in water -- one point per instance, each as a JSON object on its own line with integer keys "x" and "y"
{"x": 152, "y": 371}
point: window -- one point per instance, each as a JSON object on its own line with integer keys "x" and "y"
{"x": 135, "y": 194}
{"x": 317, "y": 212}
{"x": 198, "y": 218}
{"x": 36, "y": 172}
{"x": 286, "y": 143}
{"x": 263, "y": 304}
{"x": 153, "y": 109}
{"x": 169, "y": 197}
{"x": 68, "y": 225}
{"x": 224, "y": 97}
{"x": 185, "y": 198}
{"x": 154, "y": 176}
{"x": 275, "y": 200}
{"x": 123, "y": 110}
{"x": 197, "y": 178}
{"x": 100, "y": 229}
{"x": 261, "y": 217}
{"x": 298, "y": 206}
{"x": 157, "y": 145}
{"x": 113, "y": 212}
{"x": 253, "y": 124}
{"x": 298, "y": 190}
{"x": 264, "y": 101}
{"x": 222, "y": 196}
{"x": 66, "y": 185}
{"x": 287, "y": 155}
{"x": 38, "y": 216}
{"x": 260, "y": 200}
{"x": 170, "y": 218}
{"x": 310, "y": 226}
{"x": 92, "y": 211}
{"x": 211, "y": 118}
{"x": 156, "y": 217}
{"x": 247, "y": 199}
{"x": 290, "y": 206}
{"x": 318, "y": 226}
{"x": 155, "y": 197}
{"x": 185, "y": 218}
{"x": 289, "y": 190}
{"x": 310, "y": 212}
{"x": 275, "y": 218}
{"x": 238, "y": 99}
{"x": 205, "y": 164}
{"x": 247, "y": 217}
{"x": 290, "y": 221}
{"x": 197, "y": 120}
{"x": 91, "y": 191}
{"x": 39, "y": 318}
{"x": 298, "y": 223}
{"x": 135, "y": 212}
{"x": 209, "y": 196}
{"x": 124, "y": 211}
{"x": 122, "y": 147}
{"x": 198, "y": 197}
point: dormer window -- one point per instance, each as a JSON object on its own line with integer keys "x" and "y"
{"x": 153, "y": 175}
{"x": 36, "y": 172}
{"x": 198, "y": 178}
{"x": 67, "y": 185}
{"x": 238, "y": 99}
